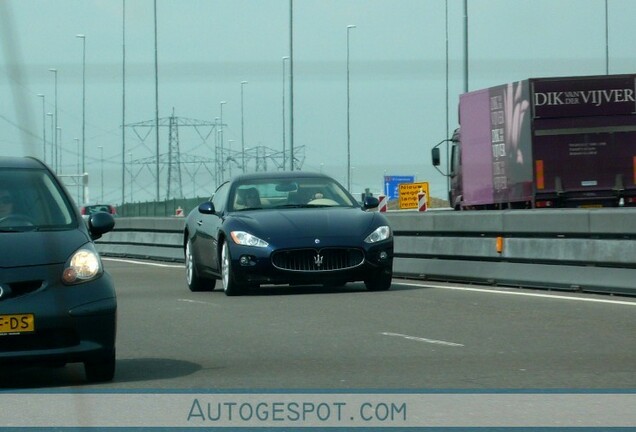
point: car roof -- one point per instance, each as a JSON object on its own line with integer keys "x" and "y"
{"x": 25, "y": 162}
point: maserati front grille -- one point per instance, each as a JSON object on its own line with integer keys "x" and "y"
{"x": 318, "y": 260}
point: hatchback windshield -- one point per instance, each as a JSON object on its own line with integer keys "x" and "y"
{"x": 283, "y": 192}
{"x": 31, "y": 199}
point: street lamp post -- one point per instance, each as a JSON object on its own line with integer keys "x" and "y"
{"x": 123, "y": 103}
{"x": 43, "y": 128}
{"x": 351, "y": 173}
{"x": 79, "y": 185}
{"x": 156, "y": 102}
{"x": 349, "y": 27}
{"x": 284, "y": 160}
{"x": 242, "y": 130}
{"x": 221, "y": 142}
{"x": 131, "y": 175}
{"x": 221, "y": 163}
{"x": 54, "y": 161}
{"x": 291, "y": 85}
{"x": 101, "y": 169}
{"x": 83, "y": 37}
{"x": 59, "y": 131}
{"x": 606, "y": 39}
{"x": 52, "y": 138}
{"x": 217, "y": 165}
{"x": 78, "y": 155}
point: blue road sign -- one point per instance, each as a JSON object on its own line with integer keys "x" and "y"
{"x": 392, "y": 184}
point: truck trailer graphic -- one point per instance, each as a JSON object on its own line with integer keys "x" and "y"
{"x": 546, "y": 142}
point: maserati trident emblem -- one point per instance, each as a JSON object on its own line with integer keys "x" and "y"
{"x": 318, "y": 259}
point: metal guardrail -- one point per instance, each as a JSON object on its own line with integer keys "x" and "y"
{"x": 572, "y": 249}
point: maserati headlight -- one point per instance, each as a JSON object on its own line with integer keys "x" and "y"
{"x": 84, "y": 265}
{"x": 380, "y": 233}
{"x": 247, "y": 239}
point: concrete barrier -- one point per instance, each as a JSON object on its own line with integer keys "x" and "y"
{"x": 572, "y": 249}
{"x": 158, "y": 238}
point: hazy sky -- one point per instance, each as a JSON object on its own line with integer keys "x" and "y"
{"x": 398, "y": 107}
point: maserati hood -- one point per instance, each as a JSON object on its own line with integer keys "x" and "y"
{"x": 322, "y": 222}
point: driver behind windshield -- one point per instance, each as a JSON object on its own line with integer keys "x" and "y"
{"x": 252, "y": 198}
{"x": 6, "y": 203}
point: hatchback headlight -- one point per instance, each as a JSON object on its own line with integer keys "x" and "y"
{"x": 380, "y": 233}
{"x": 247, "y": 239}
{"x": 83, "y": 266}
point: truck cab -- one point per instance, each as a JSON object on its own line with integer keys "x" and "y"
{"x": 454, "y": 168}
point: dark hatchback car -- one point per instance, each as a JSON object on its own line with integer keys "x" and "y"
{"x": 292, "y": 228}
{"x": 57, "y": 304}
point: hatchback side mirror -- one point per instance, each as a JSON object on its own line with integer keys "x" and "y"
{"x": 100, "y": 223}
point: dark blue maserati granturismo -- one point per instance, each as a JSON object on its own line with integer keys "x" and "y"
{"x": 293, "y": 228}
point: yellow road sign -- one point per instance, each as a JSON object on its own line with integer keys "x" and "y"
{"x": 407, "y": 198}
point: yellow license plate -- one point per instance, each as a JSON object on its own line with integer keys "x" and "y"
{"x": 14, "y": 324}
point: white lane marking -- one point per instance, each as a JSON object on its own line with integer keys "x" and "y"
{"x": 425, "y": 285}
{"x": 143, "y": 262}
{"x": 198, "y": 302}
{"x": 421, "y": 339}
{"x": 527, "y": 294}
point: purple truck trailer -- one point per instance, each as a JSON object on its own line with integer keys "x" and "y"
{"x": 545, "y": 143}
